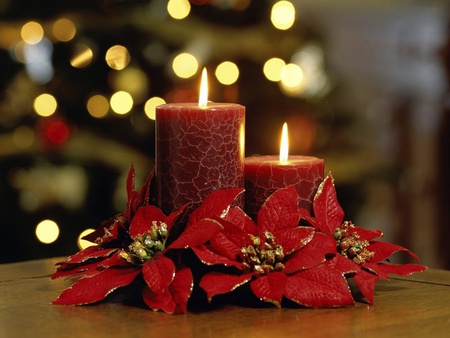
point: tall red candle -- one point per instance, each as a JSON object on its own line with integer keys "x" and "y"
{"x": 265, "y": 174}
{"x": 198, "y": 150}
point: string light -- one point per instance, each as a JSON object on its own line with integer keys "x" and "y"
{"x": 227, "y": 73}
{"x": 121, "y": 102}
{"x": 272, "y": 69}
{"x": 178, "y": 9}
{"x": 185, "y": 65}
{"x": 283, "y": 15}
{"x": 117, "y": 57}
{"x": 45, "y": 105}
{"x": 98, "y": 106}
{"x": 47, "y": 231}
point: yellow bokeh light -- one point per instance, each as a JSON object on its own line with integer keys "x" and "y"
{"x": 82, "y": 56}
{"x": 227, "y": 73}
{"x": 283, "y": 15}
{"x": 291, "y": 75}
{"x": 47, "y": 231}
{"x": 272, "y": 69}
{"x": 45, "y": 105}
{"x": 64, "y": 30}
{"x": 185, "y": 65}
{"x": 178, "y": 9}
{"x": 150, "y": 106}
{"x": 23, "y": 137}
{"x": 82, "y": 243}
{"x": 117, "y": 57}
{"x": 32, "y": 32}
{"x": 98, "y": 106}
{"x": 132, "y": 80}
{"x": 121, "y": 102}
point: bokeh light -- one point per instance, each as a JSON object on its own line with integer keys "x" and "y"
{"x": 47, "y": 231}
{"x": 117, "y": 57}
{"x": 283, "y": 15}
{"x": 121, "y": 102}
{"x": 272, "y": 69}
{"x": 57, "y": 132}
{"x": 291, "y": 75}
{"x": 227, "y": 73}
{"x": 97, "y": 106}
{"x": 178, "y": 9}
{"x": 32, "y": 32}
{"x": 132, "y": 80}
{"x": 64, "y": 30}
{"x": 185, "y": 65}
{"x": 45, "y": 105}
{"x": 23, "y": 137}
{"x": 150, "y": 106}
{"x": 82, "y": 243}
{"x": 81, "y": 56}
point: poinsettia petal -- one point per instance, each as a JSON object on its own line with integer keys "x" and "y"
{"x": 209, "y": 257}
{"x": 239, "y": 218}
{"x": 216, "y": 283}
{"x": 171, "y": 219}
{"x": 145, "y": 191}
{"x": 311, "y": 254}
{"x": 108, "y": 231}
{"x": 225, "y": 247}
{"x": 270, "y": 287}
{"x": 215, "y": 204}
{"x": 384, "y": 250}
{"x": 326, "y": 207}
{"x": 343, "y": 264}
{"x": 142, "y": 220}
{"x": 279, "y": 211}
{"x": 197, "y": 234}
{"x": 366, "y": 282}
{"x": 367, "y": 235}
{"x": 91, "y": 252}
{"x": 158, "y": 273}
{"x": 95, "y": 288}
{"x": 292, "y": 239}
{"x": 181, "y": 288}
{"x": 400, "y": 269}
{"x": 159, "y": 301}
{"x": 319, "y": 287}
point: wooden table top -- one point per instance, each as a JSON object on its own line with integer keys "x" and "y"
{"x": 416, "y": 306}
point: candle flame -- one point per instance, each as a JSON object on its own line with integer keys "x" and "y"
{"x": 203, "y": 97}
{"x": 284, "y": 146}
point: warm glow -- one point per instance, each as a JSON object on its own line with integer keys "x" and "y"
{"x": 227, "y": 73}
{"x": 150, "y": 106}
{"x": 203, "y": 97}
{"x": 23, "y": 137}
{"x": 291, "y": 75}
{"x": 47, "y": 231}
{"x": 121, "y": 102}
{"x": 272, "y": 69}
{"x": 64, "y": 30}
{"x": 185, "y": 65}
{"x": 98, "y": 106}
{"x": 82, "y": 56}
{"x": 45, "y": 105}
{"x": 284, "y": 146}
{"x": 82, "y": 243}
{"x": 283, "y": 15}
{"x": 32, "y": 32}
{"x": 178, "y": 9}
{"x": 117, "y": 57}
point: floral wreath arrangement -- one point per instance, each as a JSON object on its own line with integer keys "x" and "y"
{"x": 288, "y": 255}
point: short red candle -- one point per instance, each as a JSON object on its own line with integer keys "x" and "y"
{"x": 265, "y": 174}
{"x": 198, "y": 150}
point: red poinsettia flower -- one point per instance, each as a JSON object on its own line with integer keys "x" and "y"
{"x": 276, "y": 256}
{"x": 359, "y": 255}
{"x": 130, "y": 245}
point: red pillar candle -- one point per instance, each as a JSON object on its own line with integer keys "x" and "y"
{"x": 265, "y": 174}
{"x": 198, "y": 150}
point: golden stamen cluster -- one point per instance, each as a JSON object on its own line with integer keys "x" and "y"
{"x": 261, "y": 261}
{"x": 146, "y": 245}
{"x": 350, "y": 246}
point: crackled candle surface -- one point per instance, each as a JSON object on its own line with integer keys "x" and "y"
{"x": 198, "y": 151}
{"x": 265, "y": 174}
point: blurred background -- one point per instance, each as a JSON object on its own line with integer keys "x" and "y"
{"x": 362, "y": 84}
